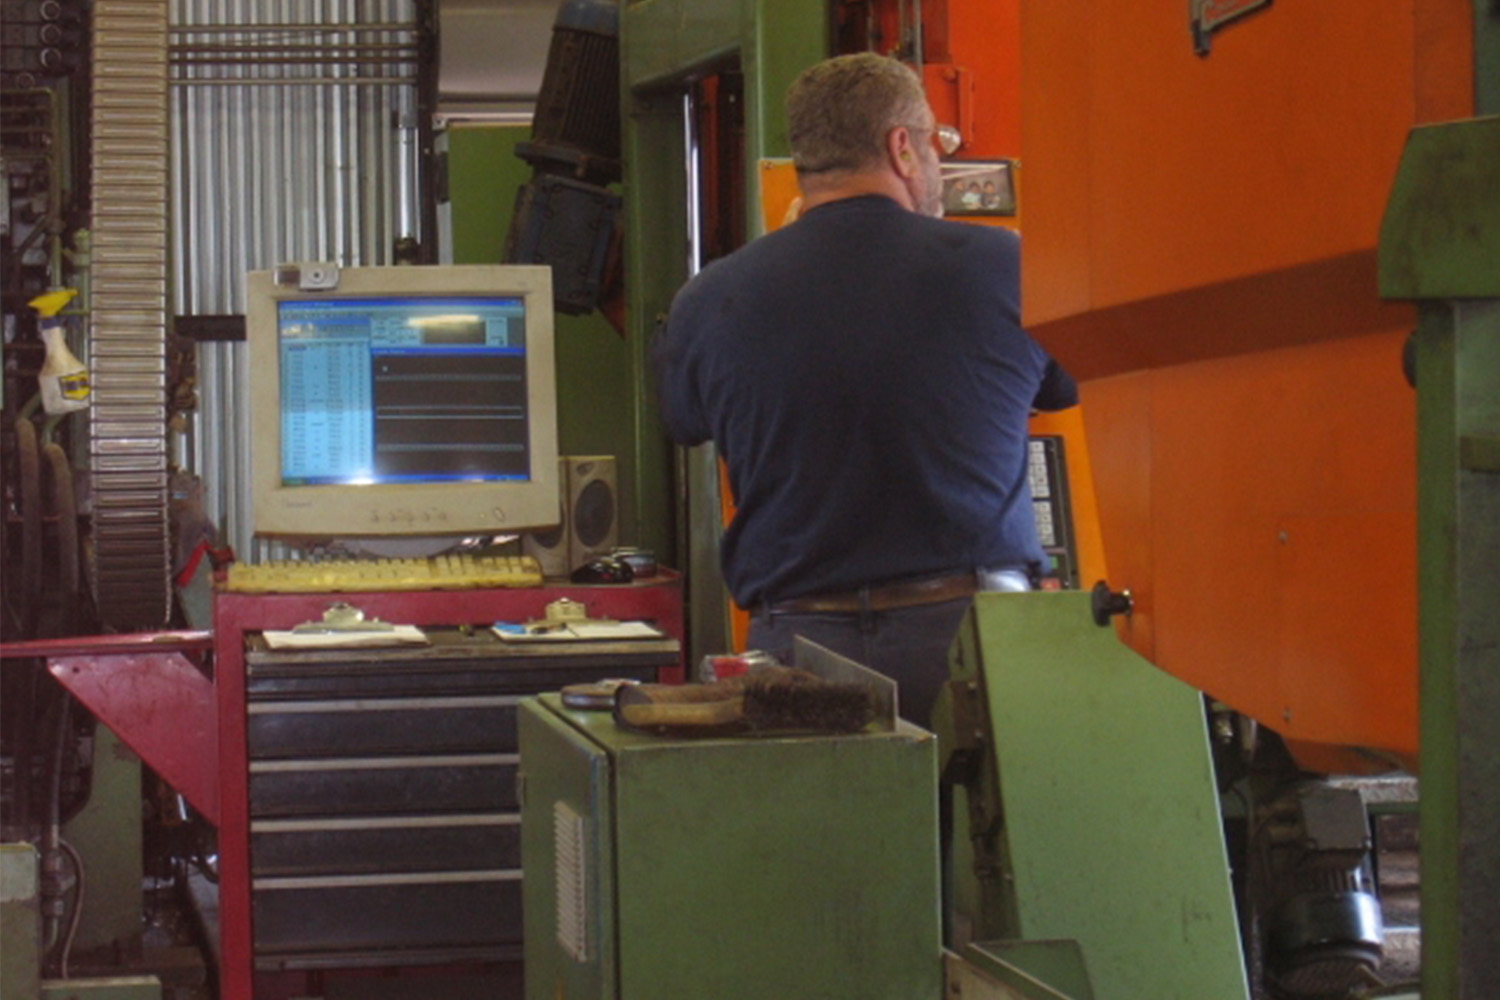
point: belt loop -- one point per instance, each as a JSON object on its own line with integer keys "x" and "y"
{"x": 866, "y": 613}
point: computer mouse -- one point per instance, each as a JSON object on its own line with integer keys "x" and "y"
{"x": 604, "y": 570}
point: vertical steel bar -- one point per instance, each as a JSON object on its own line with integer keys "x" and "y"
{"x": 1458, "y": 366}
{"x": 1440, "y": 246}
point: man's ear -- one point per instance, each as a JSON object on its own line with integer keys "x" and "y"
{"x": 903, "y": 155}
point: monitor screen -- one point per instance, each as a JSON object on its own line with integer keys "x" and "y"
{"x": 403, "y": 401}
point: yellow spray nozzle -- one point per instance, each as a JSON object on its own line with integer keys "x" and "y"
{"x": 49, "y": 304}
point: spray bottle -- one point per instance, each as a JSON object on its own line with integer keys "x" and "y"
{"x": 64, "y": 379}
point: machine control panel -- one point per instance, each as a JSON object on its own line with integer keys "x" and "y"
{"x": 1047, "y": 472}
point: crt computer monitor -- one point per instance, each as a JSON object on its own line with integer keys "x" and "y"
{"x": 402, "y": 401}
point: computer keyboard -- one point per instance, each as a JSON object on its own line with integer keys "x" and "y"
{"x": 452, "y": 572}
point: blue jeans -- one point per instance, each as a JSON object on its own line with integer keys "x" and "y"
{"x": 909, "y": 645}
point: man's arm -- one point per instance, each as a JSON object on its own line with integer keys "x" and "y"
{"x": 675, "y": 389}
{"x": 1058, "y": 391}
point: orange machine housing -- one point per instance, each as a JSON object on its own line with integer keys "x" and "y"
{"x": 1199, "y": 235}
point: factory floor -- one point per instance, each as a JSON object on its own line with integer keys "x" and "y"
{"x": 1397, "y": 870}
{"x": 171, "y": 949}
{"x": 181, "y": 935}
{"x": 498, "y": 981}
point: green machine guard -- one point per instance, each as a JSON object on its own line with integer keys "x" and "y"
{"x": 1085, "y": 811}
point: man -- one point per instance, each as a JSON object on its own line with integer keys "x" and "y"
{"x": 866, "y": 379}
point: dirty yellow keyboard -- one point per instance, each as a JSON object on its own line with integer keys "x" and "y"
{"x": 456, "y": 572}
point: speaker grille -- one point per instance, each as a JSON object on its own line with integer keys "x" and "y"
{"x": 595, "y": 511}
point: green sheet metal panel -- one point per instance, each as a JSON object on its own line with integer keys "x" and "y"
{"x": 668, "y": 40}
{"x": 655, "y": 267}
{"x": 1034, "y": 970}
{"x": 1111, "y": 815}
{"x": 1440, "y": 243}
{"x": 1440, "y": 237}
{"x": 107, "y": 833}
{"x": 808, "y": 866}
{"x": 106, "y": 988}
{"x": 754, "y": 868}
{"x": 787, "y": 37}
{"x": 20, "y": 921}
{"x": 1486, "y": 57}
{"x": 558, "y": 766}
{"x": 483, "y": 176}
{"x": 1458, "y": 573}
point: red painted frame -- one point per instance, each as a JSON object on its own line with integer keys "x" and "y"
{"x": 658, "y": 600}
{"x": 147, "y": 688}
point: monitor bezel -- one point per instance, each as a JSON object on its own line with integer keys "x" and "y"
{"x": 385, "y": 510}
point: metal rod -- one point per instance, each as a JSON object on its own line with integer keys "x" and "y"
{"x": 284, "y": 46}
{"x": 194, "y": 29}
{"x": 290, "y": 60}
{"x": 383, "y": 763}
{"x": 54, "y": 195}
{"x": 291, "y": 81}
{"x": 394, "y": 878}
{"x": 363, "y": 705}
{"x": 442, "y": 821}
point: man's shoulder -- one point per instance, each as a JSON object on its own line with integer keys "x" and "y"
{"x": 713, "y": 276}
{"x": 965, "y": 250}
{"x": 996, "y": 238}
{"x": 726, "y": 274}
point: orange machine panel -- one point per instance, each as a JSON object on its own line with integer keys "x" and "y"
{"x": 1200, "y": 235}
{"x": 1262, "y": 510}
{"x": 1152, "y": 169}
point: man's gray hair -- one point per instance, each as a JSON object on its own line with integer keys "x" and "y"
{"x": 840, "y": 111}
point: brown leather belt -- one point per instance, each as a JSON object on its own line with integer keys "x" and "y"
{"x": 886, "y": 597}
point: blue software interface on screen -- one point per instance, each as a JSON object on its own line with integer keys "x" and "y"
{"x": 403, "y": 390}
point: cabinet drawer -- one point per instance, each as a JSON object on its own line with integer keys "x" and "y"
{"x": 357, "y": 726}
{"x": 366, "y": 844}
{"x": 373, "y": 913}
{"x": 383, "y": 785}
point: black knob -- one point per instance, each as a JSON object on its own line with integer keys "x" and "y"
{"x": 1108, "y": 603}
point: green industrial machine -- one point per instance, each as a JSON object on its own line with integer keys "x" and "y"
{"x": 107, "y": 834}
{"x": 20, "y": 921}
{"x": 1440, "y": 246}
{"x": 21, "y": 938}
{"x": 727, "y": 868}
{"x": 1088, "y": 861}
{"x": 1086, "y": 811}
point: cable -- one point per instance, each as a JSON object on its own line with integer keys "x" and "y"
{"x": 77, "y": 916}
{"x": 52, "y": 838}
{"x": 30, "y": 469}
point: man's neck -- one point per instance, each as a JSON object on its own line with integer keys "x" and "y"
{"x": 854, "y": 184}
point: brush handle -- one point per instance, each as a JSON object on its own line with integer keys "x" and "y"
{"x": 681, "y": 715}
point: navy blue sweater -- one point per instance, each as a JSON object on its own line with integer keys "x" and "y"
{"x": 865, "y": 376}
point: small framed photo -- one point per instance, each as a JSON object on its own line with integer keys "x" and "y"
{"x": 979, "y": 187}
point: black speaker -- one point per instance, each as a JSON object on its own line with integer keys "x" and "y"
{"x": 589, "y": 523}
{"x": 593, "y": 507}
